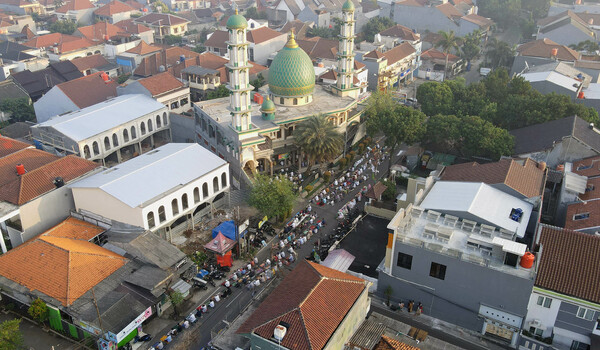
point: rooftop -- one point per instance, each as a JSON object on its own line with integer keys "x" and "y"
{"x": 103, "y": 116}
{"x": 75, "y": 5}
{"x": 400, "y": 31}
{"x": 61, "y": 263}
{"x": 89, "y": 90}
{"x": 161, "y": 19}
{"x": 112, "y": 8}
{"x": 583, "y": 215}
{"x": 89, "y": 62}
{"x": 566, "y": 252}
{"x": 143, "y": 49}
{"x": 146, "y": 177}
{"x": 589, "y": 167}
{"x": 9, "y": 146}
{"x": 160, "y": 83}
{"x": 544, "y": 47}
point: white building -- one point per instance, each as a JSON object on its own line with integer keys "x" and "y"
{"x": 109, "y": 132}
{"x": 164, "y": 190}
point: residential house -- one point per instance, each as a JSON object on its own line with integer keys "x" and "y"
{"x": 320, "y": 17}
{"x": 361, "y": 75}
{"x": 390, "y": 68}
{"x": 75, "y": 95}
{"x": 124, "y": 270}
{"x": 201, "y": 81}
{"x": 557, "y": 141}
{"x": 96, "y": 63}
{"x": 323, "y": 51}
{"x": 398, "y": 34}
{"x": 15, "y": 27}
{"x": 307, "y": 311}
{"x": 565, "y": 28}
{"x": 21, "y": 7}
{"x": 143, "y": 32}
{"x": 564, "y": 307}
{"x": 578, "y": 207}
{"x": 80, "y": 11}
{"x": 163, "y": 24}
{"x": 433, "y": 65}
{"x": 130, "y": 59}
{"x": 17, "y": 58}
{"x": 199, "y": 18}
{"x": 184, "y": 5}
{"x": 300, "y": 28}
{"x": 263, "y": 41}
{"x": 37, "y": 83}
{"x": 473, "y": 22}
{"x": 164, "y": 88}
{"x": 166, "y": 190}
{"x": 557, "y": 77}
{"x": 131, "y": 125}
{"x": 116, "y": 38}
{"x": 33, "y": 197}
{"x": 172, "y": 59}
{"x": 63, "y": 47}
{"x": 541, "y": 52}
{"x": 113, "y": 12}
{"x": 462, "y": 234}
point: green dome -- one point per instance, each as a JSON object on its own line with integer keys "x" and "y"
{"x": 268, "y": 106}
{"x": 348, "y": 6}
{"x": 292, "y": 73}
{"x": 237, "y": 21}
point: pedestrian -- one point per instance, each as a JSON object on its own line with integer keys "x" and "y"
{"x": 410, "y": 306}
{"x": 401, "y": 305}
{"x": 419, "y": 309}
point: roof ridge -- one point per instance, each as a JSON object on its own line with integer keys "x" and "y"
{"x": 304, "y": 328}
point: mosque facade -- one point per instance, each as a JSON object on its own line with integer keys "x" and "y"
{"x": 254, "y": 131}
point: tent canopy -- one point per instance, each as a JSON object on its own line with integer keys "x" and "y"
{"x": 227, "y": 228}
{"x": 220, "y": 244}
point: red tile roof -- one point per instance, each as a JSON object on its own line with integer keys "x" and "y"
{"x": 218, "y": 39}
{"x": 417, "y": 3}
{"x": 89, "y": 62}
{"x": 42, "y": 168}
{"x": 399, "y": 53}
{"x": 128, "y": 26}
{"x": 75, "y": 5}
{"x": 329, "y": 75}
{"x": 112, "y": 8}
{"x": 161, "y": 19}
{"x": 387, "y": 343}
{"x": 161, "y": 83}
{"x": 89, "y": 90}
{"x": 569, "y": 263}
{"x": 543, "y": 48}
{"x": 374, "y": 54}
{"x": 134, "y": 4}
{"x": 59, "y": 267}
{"x": 313, "y": 299}
{"x": 49, "y": 40}
{"x": 437, "y": 54}
{"x": 481, "y": 21}
{"x": 318, "y": 47}
{"x": 10, "y": 146}
{"x": 523, "y": 176}
{"x": 262, "y": 34}
{"x": 143, "y": 49}
{"x": 400, "y": 31}
{"x": 587, "y": 167}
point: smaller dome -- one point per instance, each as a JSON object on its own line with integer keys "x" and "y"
{"x": 348, "y": 6}
{"x": 268, "y": 106}
{"x": 237, "y": 21}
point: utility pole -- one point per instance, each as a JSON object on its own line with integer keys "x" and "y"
{"x": 97, "y": 310}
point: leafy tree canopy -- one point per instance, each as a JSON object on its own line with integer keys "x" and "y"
{"x": 273, "y": 197}
{"x": 19, "y": 108}
{"x": 172, "y": 39}
{"x": 221, "y": 91}
{"x": 63, "y": 27}
{"x": 11, "y": 337}
{"x": 376, "y": 25}
{"x": 38, "y": 310}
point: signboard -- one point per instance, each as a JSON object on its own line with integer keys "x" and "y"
{"x": 104, "y": 344}
{"x": 262, "y": 222}
{"x": 134, "y": 324}
{"x": 90, "y": 328}
{"x": 283, "y": 156}
{"x": 244, "y": 226}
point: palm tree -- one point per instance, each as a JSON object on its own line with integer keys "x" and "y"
{"x": 447, "y": 42}
{"x": 500, "y": 53}
{"x": 319, "y": 139}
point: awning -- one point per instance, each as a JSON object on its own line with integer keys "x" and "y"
{"x": 220, "y": 244}
{"x": 575, "y": 183}
{"x": 510, "y": 246}
{"x": 339, "y": 259}
{"x": 182, "y": 287}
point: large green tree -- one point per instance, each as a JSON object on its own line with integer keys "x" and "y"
{"x": 11, "y": 337}
{"x": 499, "y": 53}
{"x": 318, "y": 138}
{"x": 398, "y": 123}
{"x": 20, "y": 109}
{"x": 448, "y": 42}
{"x": 471, "y": 46}
{"x": 273, "y": 197}
{"x": 63, "y": 27}
{"x": 38, "y": 310}
{"x": 435, "y": 98}
{"x": 374, "y": 26}
{"x": 219, "y": 92}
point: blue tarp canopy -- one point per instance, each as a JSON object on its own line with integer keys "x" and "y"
{"x": 227, "y": 229}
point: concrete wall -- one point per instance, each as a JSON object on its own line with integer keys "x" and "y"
{"x": 567, "y": 319}
{"x": 546, "y": 315}
{"x": 263, "y": 50}
{"x": 182, "y": 128}
{"x": 458, "y": 297}
{"x": 54, "y": 102}
{"x": 101, "y": 203}
{"x": 566, "y": 151}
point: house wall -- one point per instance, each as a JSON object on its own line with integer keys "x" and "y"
{"x": 262, "y": 51}
{"x": 423, "y": 19}
{"x": 99, "y": 202}
{"x": 566, "y": 35}
{"x": 546, "y": 87}
{"x": 88, "y": 51}
{"x": 566, "y": 151}
{"x": 111, "y": 51}
{"x": 182, "y": 128}
{"x": 456, "y": 299}
{"x": 178, "y": 96}
{"x": 465, "y": 27}
{"x": 53, "y": 103}
{"x": 546, "y": 316}
{"x": 307, "y": 15}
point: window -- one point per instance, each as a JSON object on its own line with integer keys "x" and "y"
{"x": 586, "y": 314}
{"x": 184, "y": 202}
{"x": 281, "y": 100}
{"x": 174, "y": 207}
{"x": 536, "y": 331}
{"x": 295, "y": 101}
{"x": 133, "y": 134}
{"x": 86, "y": 152}
{"x": 115, "y": 140}
{"x": 161, "y": 214}
{"x": 95, "y": 148}
{"x": 165, "y": 121}
{"x": 437, "y": 271}
{"x": 158, "y": 121}
{"x": 204, "y": 190}
{"x": 150, "y": 219}
{"x": 404, "y": 260}
{"x": 215, "y": 184}
{"x": 196, "y": 195}
{"x": 577, "y": 345}
{"x": 581, "y": 216}
{"x": 223, "y": 180}
{"x": 544, "y": 301}
{"x": 125, "y": 135}
{"x": 149, "y": 125}
{"x": 143, "y": 128}
{"x": 106, "y": 143}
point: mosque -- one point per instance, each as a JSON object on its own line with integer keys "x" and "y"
{"x": 254, "y": 131}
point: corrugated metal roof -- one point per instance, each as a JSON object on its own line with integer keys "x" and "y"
{"x": 339, "y": 259}
{"x": 575, "y": 183}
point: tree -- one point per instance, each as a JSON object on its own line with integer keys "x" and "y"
{"x": 448, "y": 41}
{"x": 471, "y": 47}
{"x": 38, "y": 310}
{"x": 318, "y": 138}
{"x": 500, "y": 53}
{"x": 172, "y": 39}
{"x": 258, "y": 82}
{"x": 376, "y": 25}
{"x": 11, "y": 337}
{"x": 219, "y": 92}
{"x": 199, "y": 48}
{"x": 176, "y": 299}
{"x": 388, "y": 293}
{"x": 390, "y": 190}
{"x": 273, "y": 197}
{"x": 253, "y": 13}
{"x": 588, "y": 45}
{"x": 160, "y": 6}
{"x": 63, "y": 27}
{"x": 398, "y": 123}
{"x": 322, "y": 32}
{"x": 435, "y": 98}
{"x": 121, "y": 79}
{"x": 20, "y": 109}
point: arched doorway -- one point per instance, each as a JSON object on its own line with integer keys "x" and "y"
{"x": 250, "y": 168}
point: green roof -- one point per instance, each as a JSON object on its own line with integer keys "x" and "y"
{"x": 291, "y": 73}
{"x": 348, "y": 6}
{"x": 237, "y": 21}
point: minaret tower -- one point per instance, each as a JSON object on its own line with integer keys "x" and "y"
{"x": 345, "y": 69}
{"x": 238, "y": 67}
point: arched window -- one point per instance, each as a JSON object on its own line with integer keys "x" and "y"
{"x": 86, "y": 152}
{"x": 143, "y": 128}
{"x": 115, "y": 140}
{"x": 95, "y": 148}
{"x": 106, "y": 143}
{"x": 97, "y": 52}
{"x": 281, "y": 100}
{"x": 133, "y": 133}
{"x": 223, "y": 180}
{"x": 125, "y": 135}
{"x": 184, "y": 202}
{"x": 165, "y": 120}
{"x": 196, "y": 195}
{"x": 205, "y": 190}
{"x": 149, "y": 125}
{"x": 295, "y": 101}
{"x": 216, "y": 184}
{"x": 158, "y": 121}
{"x": 150, "y": 219}
{"x": 161, "y": 214}
{"x": 174, "y": 207}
